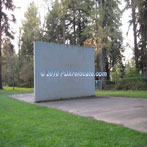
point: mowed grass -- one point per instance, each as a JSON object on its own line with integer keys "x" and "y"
{"x": 28, "y": 125}
{"x": 18, "y": 88}
{"x": 133, "y": 94}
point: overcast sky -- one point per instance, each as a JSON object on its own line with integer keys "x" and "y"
{"x": 22, "y": 7}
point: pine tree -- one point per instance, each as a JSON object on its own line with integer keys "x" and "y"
{"x": 54, "y": 29}
{"x": 106, "y": 34}
{"x": 67, "y": 21}
{"x": 5, "y": 27}
{"x": 139, "y": 21}
{"x": 142, "y": 35}
{"x": 30, "y": 32}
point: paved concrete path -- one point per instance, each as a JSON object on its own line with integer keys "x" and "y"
{"x": 129, "y": 112}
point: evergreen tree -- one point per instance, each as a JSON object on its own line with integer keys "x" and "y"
{"x": 92, "y": 23}
{"x": 106, "y": 34}
{"x": 139, "y": 21}
{"x": 53, "y": 27}
{"x": 79, "y": 16}
{"x": 9, "y": 63}
{"x": 142, "y": 35}
{"x": 5, "y": 26}
{"x": 30, "y": 32}
{"x": 67, "y": 21}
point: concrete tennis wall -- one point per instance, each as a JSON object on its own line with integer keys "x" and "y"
{"x": 59, "y": 57}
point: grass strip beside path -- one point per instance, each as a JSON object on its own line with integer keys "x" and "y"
{"x": 133, "y": 94}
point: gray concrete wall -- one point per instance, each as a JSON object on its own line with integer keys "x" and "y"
{"x": 59, "y": 57}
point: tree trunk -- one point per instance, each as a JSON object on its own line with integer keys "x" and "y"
{"x": 103, "y": 55}
{"x": 79, "y": 42}
{"x": 63, "y": 25}
{"x": 135, "y": 33}
{"x": 0, "y": 47}
{"x": 74, "y": 27}
{"x": 144, "y": 49}
{"x": 103, "y": 65}
{"x": 143, "y": 36}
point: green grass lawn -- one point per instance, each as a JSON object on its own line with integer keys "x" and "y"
{"x": 28, "y": 125}
{"x": 18, "y": 88}
{"x": 133, "y": 94}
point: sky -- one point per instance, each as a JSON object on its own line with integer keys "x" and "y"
{"x": 42, "y": 6}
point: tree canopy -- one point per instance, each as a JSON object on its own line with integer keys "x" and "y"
{"x": 94, "y": 23}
